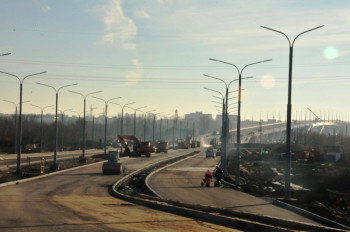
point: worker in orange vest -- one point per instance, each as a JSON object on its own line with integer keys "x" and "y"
{"x": 207, "y": 178}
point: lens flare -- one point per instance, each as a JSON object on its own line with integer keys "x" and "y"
{"x": 267, "y": 81}
{"x": 330, "y": 52}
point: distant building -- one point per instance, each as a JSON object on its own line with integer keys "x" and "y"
{"x": 197, "y": 116}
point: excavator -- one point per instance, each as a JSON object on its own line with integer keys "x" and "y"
{"x": 139, "y": 148}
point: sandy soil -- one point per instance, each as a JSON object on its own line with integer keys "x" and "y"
{"x": 119, "y": 215}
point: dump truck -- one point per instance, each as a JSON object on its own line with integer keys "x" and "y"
{"x": 139, "y": 148}
{"x": 112, "y": 166}
{"x": 162, "y": 146}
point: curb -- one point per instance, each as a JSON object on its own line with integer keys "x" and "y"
{"x": 312, "y": 216}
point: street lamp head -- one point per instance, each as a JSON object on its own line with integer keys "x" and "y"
{"x": 128, "y": 104}
{"x": 140, "y": 108}
{"x": 5, "y": 54}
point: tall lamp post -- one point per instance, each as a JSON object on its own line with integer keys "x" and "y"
{"x": 144, "y": 124}
{"x": 154, "y": 123}
{"x": 62, "y": 114}
{"x": 135, "y": 117}
{"x": 160, "y": 127}
{"x": 19, "y": 143}
{"x": 122, "y": 107}
{"x": 225, "y": 121}
{"x": 223, "y": 133}
{"x": 41, "y": 124}
{"x": 122, "y": 121}
{"x": 239, "y": 112}
{"x": 56, "y": 122}
{"x": 16, "y": 140}
{"x": 79, "y": 125}
{"x": 82, "y": 158}
{"x": 106, "y": 105}
{"x": 289, "y": 108}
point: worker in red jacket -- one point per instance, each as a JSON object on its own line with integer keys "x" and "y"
{"x": 207, "y": 178}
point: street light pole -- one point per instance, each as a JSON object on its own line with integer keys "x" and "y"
{"x": 82, "y": 158}
{"x": 16, "y": 129}
{"x": 225, "y": 126}
{"x": 19, "y": 143}
{"x": 41, "y": 124}
{"x": 135, "y": 117}
{"x": 122, "y": 107}
{"x": 154, "y": 123}
{"x": 106, "y": 104}
{"x": 160, "y": 128}
{"x": 289, "y": 109}
{"x": 223, "y": 151}
{"x": 56, "y": 122}
{"x": 144, "y": 124}
{"x": 62, "y": 114}
{"x": 239, "y": 113}
{"x": 79, "y": 125}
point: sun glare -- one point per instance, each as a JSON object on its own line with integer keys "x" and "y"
{"x": 330, "y": 52}
{"x": 267, "y": 81}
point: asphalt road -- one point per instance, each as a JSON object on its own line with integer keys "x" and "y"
{"x": 10, "y": 160}
{"x": 181, "y": 182}
{"x": 78, "y": 200}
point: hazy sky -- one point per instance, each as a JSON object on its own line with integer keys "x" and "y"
{"x": 155, "y": 52}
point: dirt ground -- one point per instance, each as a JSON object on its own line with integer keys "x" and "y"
{"x": 322, "y": 188}
{"x": 119, "y": 215}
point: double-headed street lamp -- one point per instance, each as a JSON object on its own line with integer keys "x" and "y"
{"x": 144, "y": 124}
{"x": 41, "y": 124}
{"x": 62, "y": 114}
{"x": 56, "y": 117}
{"x": 122, "y": 121}
{"x": 122, "y": 107}
{"x": 19, "y": 143}
{"x": 82, "y": 158}
{"x": 160, "y": 127}
{"x": 154, "y": 123}
{"x": 223, "y": 131}
{"x": 239, "y": 112}
{"x": 289, "y": 108}
{"x": 79, "y": 125}
{"x": 16, "y": 139}
{"x": 225, "y": 122}
{"x": 135, "y": 117}
{"x": 106, "y": 105}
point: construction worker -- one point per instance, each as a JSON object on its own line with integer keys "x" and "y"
{"x": 207, "y": 178}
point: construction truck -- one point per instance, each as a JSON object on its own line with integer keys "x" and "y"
{"x": 162, "y": 146}
{"x": 181, "y": 144}
{"x": 112, "y": 166}
{"x": 139, "y": 148}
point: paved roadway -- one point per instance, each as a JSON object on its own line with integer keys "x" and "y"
{"x": 181, "y": 182}
{"x": 10, "y": 160}
{"x": 78, "y": 200}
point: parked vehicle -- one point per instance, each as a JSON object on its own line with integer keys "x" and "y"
{"x": 162, "y": 146}
{"x": 209, "y": 153}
